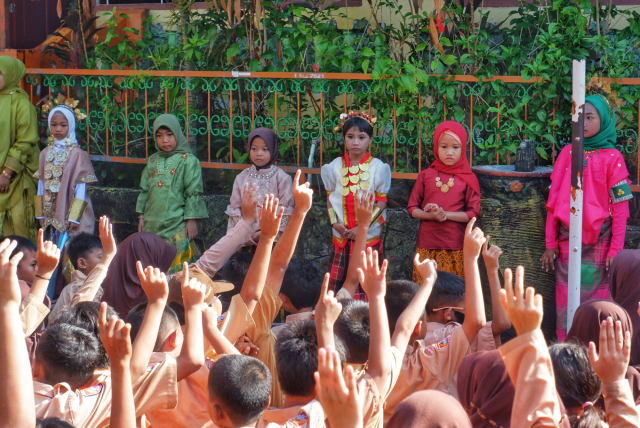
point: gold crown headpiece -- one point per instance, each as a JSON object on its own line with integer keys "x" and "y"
{"x": 62, "y": 101}
{"x": 602, "y": 88}
{"x": 346, "y": 116}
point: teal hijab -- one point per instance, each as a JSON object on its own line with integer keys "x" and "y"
{"x": 171, "y": 122}
{"x": 606, "y": 138}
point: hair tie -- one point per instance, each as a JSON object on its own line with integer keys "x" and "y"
{"x": 587, "y": 404}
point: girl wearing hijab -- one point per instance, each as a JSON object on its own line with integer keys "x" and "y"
{"x": 262, "y": 147}
{"x": 19, "y": 153}
{"x": 64, "y": 173}
{"x": 606, "y": 209}
{"x": 445, "y": 197}
{"x": 171, "y": 198}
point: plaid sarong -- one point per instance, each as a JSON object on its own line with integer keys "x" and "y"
{"x": 339, "y": 264}
{"x": 594, "y": 283}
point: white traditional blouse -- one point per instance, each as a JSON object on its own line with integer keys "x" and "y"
{"x": 343, "y": 181}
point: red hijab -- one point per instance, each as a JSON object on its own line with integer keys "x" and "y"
{"x": 460, "y": 169}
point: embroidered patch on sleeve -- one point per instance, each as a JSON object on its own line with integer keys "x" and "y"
{"x": 442, "y": 344}
{"x": 221, "y": 318}
{"x": 92, "y": 390}
{"x": 299, "y": 420}
{"x": 620, "y": 192}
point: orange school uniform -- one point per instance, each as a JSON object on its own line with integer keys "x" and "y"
{"x": 310, "y": 415}
{"x": 373, "y": 399}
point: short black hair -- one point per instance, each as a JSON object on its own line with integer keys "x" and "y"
{"x": 447, "y": 290}
{"x": 81, "y": 246}
{"x": 354, "y": 328}
{"x": 68, "y": 354}
{"x": 301, "y": 283}
{"x": 168, "y": 323}
{"x": 241, "y": 385}
{"x": 86, "y": 315}
{"x": 166, "y": 128}
{"x": 236, "y": 268}
{"x": 400, "y": 293}
{"x": 297, "y": 357}
{"x": 24, "y": 244}
{"x": 52, "y": 423}
{"x": 357, "y": 122}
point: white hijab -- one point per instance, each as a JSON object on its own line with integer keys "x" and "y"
{"x": 71, "y": 118}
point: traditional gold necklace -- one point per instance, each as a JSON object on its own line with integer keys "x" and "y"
{"x": 444, "y": 188}
{"x": 358, "y": 179}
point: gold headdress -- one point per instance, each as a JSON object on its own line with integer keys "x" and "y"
{"x": 62, "y": 101}
{"x": 344, "y": 117}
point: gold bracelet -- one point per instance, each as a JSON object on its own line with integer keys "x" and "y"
{"x": 377, "y": 212}
{"x": 332, "y": 216}
{"x": 6, "y": 175}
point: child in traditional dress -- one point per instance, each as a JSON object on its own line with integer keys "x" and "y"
{"x": 445, "y": 197}
{"x": 171, "y": 198}
{"x": 343, "y": 178}
{"x": 64, "y": 173}
{"x": 606, "y": 209}
{"x": 262, "y": 147}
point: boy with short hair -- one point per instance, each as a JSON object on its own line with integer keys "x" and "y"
{"x": 28, "y": 264}
{"x": 90, "y": 256}
{"x": 239, "y": 390}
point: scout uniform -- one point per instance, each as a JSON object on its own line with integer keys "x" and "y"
{"x": 83, "y": 288}
{"x": 310, "y": 415}
{"x": 372, "y": 399}
{"x": 301, "y": 316}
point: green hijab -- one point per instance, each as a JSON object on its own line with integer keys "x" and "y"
{"x": 171, "y": 122}
{"x": 606, "y": 138}
{"x": 12, "y": 70}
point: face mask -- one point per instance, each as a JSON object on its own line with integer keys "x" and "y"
{"x": 459, "y": 316}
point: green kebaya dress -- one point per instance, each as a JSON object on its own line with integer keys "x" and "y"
{"x": 172, "y": 193}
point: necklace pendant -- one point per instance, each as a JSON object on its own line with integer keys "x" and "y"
{"x": 344, "y": 181}
{"x": 344, "y": 171}
{"x": 364, "y": 185}
{"x": 354, "y": 169}
{"x": 364, "y": 166}
{"x": 450, "y": 183}
{"x": 444, "y": 188}
{"x": 354, "y": 179}
{"x": 364, "y": 176}
{"x": 439, "y": 184}
{"x": 344, "y": 191}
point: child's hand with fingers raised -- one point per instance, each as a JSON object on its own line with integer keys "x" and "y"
{"x": 47, "y": 256}
{"x": 491, "y": 255}
{"x": 249, "y": 203}
{"x": 364, "y": 205}
{"x": 339, "y": 399}
{"x": 302, "y": 194}
{"x": 328, "y": 308}
{"x": 427, "y": 269}
{"x": 109, "y": 246}
{"x": 270, "y": 217}
{"x": 114, "y": 334}
{"x": 611, "y": 363}
{"x": 523, "y": 308}
{"x": 372, "y": 276}
{"x": 9, "y": 286}
{"x": 153, "y": 282}
{"x": 473, "y": 240}
{"x": 193, "y": 291}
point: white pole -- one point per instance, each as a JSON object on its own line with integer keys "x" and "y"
{"x": 575, "y": 227}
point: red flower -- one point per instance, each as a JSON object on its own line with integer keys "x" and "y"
{"x": 153, "y": 173}
{"x": 173, "y": 171}
{"x": 184, "y": 156}
{"x": 153, "y": 159}
{"x": 160, "y": 184}
{"x": 439, "y": 24}
{"x": 315, "y": 68}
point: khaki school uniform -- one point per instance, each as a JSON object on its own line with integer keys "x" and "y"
{"x": 302, "y": 316}
{"x": 32, "y": 313}
{"x": 82, "y": 288}
{"x": 428, "y": 366}
{"x": 91, "y": 407}
{"x": 310, "y": 415}
{"x": 373, "y": 399}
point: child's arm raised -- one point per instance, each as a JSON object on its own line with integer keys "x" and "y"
{"x": 374, "y": 284}
{"x": 282, "y": 253}
{"x": 254, "y": 281}
{"x": 115, "y": 336}
{"x": 16, "y": 389}
{"x": 191, "y": 356}
{"x": 474, "y": 318}
{"x": 491, "y": 256}
{"x": 47, "y": 259}
{"x": 220, "y": 344}
{"x": 611, "y": 367}
{"x": 327, "y": 312}
{"x": 154, "y": 284}
{"x": 411, "y": 315}
{"x": 364, "y": 210}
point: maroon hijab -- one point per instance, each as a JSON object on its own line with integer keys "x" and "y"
{"x": 624, "y": 276}
{"x": 272, "y": 142}
{"x": 122, "y": 288}
{"x": 589, "y": 315}
{"x": 429, "y": 409}
{"x": 485, "y": 389}
{"x": 460, "y": 169}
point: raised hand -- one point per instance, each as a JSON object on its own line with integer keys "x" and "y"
{"x": 491, "y": 255}
{"x": 339, "y": 400}
{"x": 427, "y": 268}
{"x": 193, "y": 291}
{"x": 109, "y": 246}
{"x": 371, "y": 275}
{"x": 615, "y": 348}
{"x": 47, "y": 256}
{"x": 328, "y": 308}
{"x": 9, "y": 287}
{"x": 114, "y": 334}
{"x": 364, "y": 205}
{"x": 249, "y": 203}
{"x": 153, "y": 282}
{"x": 302, "y": 194}
{"x": 270, "y": 217}
{"x": 473, "y": 240}
{"x": 523, "y": 308}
